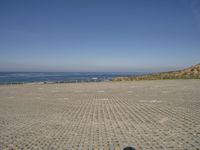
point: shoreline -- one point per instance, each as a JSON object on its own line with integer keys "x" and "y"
{"x": 103, "y": 81}
{"x": 54, "y": 82}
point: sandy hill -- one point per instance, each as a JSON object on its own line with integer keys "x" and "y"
{"x": 188, "y": 73}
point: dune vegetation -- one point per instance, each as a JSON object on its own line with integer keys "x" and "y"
{"x": 188, "y": 73}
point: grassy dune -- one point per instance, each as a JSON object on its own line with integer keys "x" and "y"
{"x": 188, "y": 73}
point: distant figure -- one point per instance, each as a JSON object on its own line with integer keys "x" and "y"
{"x": 129, "y": 148}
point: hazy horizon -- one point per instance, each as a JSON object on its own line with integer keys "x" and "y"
{"x": 99, "y": 36}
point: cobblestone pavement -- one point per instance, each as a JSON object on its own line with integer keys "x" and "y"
{"x": 149, "y": 115}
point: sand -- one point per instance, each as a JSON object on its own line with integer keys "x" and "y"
{"x": 149, "y": 115}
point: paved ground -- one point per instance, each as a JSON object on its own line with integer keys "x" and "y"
{"x": 149, "y": 115}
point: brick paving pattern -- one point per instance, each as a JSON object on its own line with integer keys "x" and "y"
{"x": 149, "y": 115}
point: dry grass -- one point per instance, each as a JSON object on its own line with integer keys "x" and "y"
{"x": 188, "y": 73}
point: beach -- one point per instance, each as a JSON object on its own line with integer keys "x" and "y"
{"x": 148, "y": 115}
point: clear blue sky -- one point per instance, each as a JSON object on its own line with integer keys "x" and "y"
{"x": 103, "y": 35}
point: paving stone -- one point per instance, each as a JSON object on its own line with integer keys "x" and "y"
{"x": 147, "y": 115}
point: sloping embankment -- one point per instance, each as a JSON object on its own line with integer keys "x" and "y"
{"x": 188, "y": 73}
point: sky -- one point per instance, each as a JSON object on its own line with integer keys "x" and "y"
{"x": 99, "y": 35}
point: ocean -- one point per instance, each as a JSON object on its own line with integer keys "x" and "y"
{"x": 59, "y": 77}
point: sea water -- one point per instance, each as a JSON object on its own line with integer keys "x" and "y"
{"x": 59, "y": 77}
